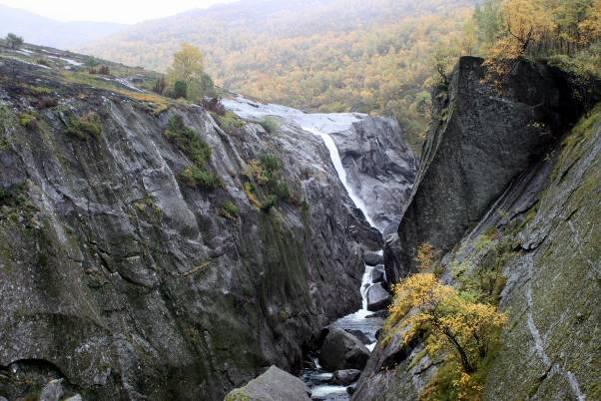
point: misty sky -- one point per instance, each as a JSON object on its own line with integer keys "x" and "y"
{"x": 123, "y": 11}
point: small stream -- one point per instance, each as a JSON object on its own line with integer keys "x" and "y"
{"x": 320, "y": 381}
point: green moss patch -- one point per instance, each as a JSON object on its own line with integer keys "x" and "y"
{"x": 85, "y": 128}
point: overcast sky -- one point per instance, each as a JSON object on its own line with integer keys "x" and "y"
{"x": 123, "y": 11}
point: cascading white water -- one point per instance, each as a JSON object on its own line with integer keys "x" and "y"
{"x": 337, "y": 161}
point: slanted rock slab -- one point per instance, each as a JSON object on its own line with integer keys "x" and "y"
{"x": 273, "y": 385}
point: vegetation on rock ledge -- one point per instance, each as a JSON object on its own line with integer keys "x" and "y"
{"x": 197, "y": 150}
{"x": 453, "y": 324}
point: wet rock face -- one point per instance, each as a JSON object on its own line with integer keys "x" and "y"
{"x": 127, "y": 282}
{"x": 536, "y": 233}
{"x": 462, "y": 173}
{"x": 380, "y": 165}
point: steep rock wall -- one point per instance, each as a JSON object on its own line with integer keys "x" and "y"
{"x": 538, "y": 232}
{"x": 480, "y": 140}
{"x": 131, "y": 285}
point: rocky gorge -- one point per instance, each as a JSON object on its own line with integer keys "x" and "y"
{"x": 155, "y": 250}
{"x": 158, "y": 250}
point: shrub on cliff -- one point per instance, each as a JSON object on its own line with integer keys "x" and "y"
{"x": 271, "y": 186}
{"x": 86, "y": 127}
{"x": 188, "y": 141}
{"x": 270, "y": 124}
{"x": 13, "y": 41}
{"x": 452, "y": 323}
{"x": 198, "y": 151}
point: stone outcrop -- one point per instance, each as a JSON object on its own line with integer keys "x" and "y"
{"x": 533, "y": 225}
{"x": 273, "y": 385}
{"x": 479, "y": 142}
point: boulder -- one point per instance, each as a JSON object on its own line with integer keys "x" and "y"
{"x": 342, "y": 350}
{"x": 377, "y": 297}
{"x": 273, "y": 385}
{"x": 53, "y": 391}
{"x": 360, "y": 335}
{"x": 347, "y": 376}
{"x": 373, "y": 258}
{"x": 377, "y": 274}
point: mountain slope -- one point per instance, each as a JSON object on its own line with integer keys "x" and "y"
{"x": 48, "y": 32}
{"x": 319, "y": 55}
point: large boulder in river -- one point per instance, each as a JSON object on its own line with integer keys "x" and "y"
{"x": 377, "y": 274}
{"x": 342, "y": 350}
{"x": 361, "y": 336}
{"x": 346, "y": 376}
{"x": 377, "y": 297}
{"x": 273, "y": 385}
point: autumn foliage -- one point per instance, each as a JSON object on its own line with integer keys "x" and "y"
{"x": 425, "y": 256}
{"x": 513, "y": 29}
{"x": 453, "y": 323}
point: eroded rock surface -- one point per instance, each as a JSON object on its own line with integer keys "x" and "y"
{"x": 125, "y": 281}
{"x": 538, "y": 231}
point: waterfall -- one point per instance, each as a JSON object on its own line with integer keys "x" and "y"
{"x": 337, "y": 161}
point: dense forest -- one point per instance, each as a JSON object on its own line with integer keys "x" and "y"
{"x": 378, "y": 56}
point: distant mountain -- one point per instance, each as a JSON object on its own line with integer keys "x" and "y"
{"x": 48, "y": 32}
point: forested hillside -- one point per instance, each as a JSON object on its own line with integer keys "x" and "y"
{"x": 327, "y": 55}
{"x": 377, "y": 56}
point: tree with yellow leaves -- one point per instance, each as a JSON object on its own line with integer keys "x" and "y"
{"x": 590, "y": 26}
{"x": 513, "y": 29}
{"x": 525, "y": 23}
{"x": 452, "y": 320}
{"x": 186, "y": 75}
{"x": 187, "y": 64}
